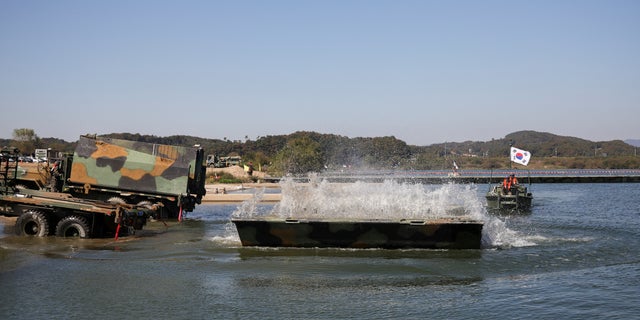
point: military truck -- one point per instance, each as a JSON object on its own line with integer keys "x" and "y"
{"x": 42, "y": 213}
{"x": 168, "y": 178}
{"x": 213, "y": 160}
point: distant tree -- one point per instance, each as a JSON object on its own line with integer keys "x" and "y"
{"x": 26, "y": 140}
{"x": 259, "y": 159}
{"x": 299, "y": 156}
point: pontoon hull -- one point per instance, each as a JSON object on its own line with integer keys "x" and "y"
{"x": 432, "y": 234}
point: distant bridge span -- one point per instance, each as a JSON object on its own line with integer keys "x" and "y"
{"x": 483, "y": 176}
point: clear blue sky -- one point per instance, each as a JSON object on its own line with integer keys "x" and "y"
{"x": 422, "y": 71}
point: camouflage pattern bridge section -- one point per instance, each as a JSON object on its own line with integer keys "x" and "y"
{"x": 130, "y": 165}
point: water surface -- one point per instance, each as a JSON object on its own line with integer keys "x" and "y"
{"x": 575, "y": 256}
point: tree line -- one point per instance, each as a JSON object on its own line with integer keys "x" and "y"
{"x": 302, "y": 152}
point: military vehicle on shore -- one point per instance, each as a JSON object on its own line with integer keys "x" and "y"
{"x": 42, "y": 213}
{"x": 213, "y": 160}
{"x": 170, "y": 179}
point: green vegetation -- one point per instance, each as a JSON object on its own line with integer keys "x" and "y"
{"x": 302, "y": 152}
{"x": 26, "y": 140}
{"x": 223, "y": 177}
{"x": 299, "y": 156}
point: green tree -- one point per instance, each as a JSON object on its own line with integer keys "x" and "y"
{"x": 26, "y": 140}
{"x": 300, "y": 156}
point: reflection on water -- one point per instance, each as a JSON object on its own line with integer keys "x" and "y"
{"x": 257, "y": 252}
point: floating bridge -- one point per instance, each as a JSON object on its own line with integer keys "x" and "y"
{"x": 483, "y": 176}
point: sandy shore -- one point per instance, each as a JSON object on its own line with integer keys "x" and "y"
{"x": 231, "y": 193}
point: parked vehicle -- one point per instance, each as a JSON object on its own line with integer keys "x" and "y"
{"x": 213, "y": 160}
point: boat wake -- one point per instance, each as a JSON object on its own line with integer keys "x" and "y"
{"x": 496, "y": 234}
{"x": 227, "y": 238}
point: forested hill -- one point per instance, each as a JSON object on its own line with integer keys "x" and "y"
{"x": 540, "y": 144}
{"x": 329, "y": 150}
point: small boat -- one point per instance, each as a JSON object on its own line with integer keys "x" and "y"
{"x": 511, "y": 195}
{"x": 515, "y": 198}
{"x": 437, "y": 233}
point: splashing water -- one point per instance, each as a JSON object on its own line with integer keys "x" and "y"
{"x": 389, "y": 200}
{"x": 496, "y": 234}
{"x": 228, "y": 237}
{"x": 251, "y": 208}
{"x": 361, "y": 200}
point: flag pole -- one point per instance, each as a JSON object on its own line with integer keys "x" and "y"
{"x": 510, "y": 146}
{"x": 490, "y": 177}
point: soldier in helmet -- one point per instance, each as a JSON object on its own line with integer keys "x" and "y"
{"x": 56, "y": 174}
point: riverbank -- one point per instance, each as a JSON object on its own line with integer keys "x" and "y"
{"x": 233, "y": 193}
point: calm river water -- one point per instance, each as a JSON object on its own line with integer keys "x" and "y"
{"x": 575, "y": 256}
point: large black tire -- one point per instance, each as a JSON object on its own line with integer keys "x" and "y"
{"x": 32, "y": 223}
{"x": 73, "y": 226}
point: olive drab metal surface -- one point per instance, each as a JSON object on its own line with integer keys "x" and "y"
{"x": 42, "y": 213}
{"x": 130, "y": 165}
{"x": 172, "y": 178}
{"x": 443, "y": 233}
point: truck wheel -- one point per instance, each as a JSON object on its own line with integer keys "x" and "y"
{"x": 32, "y": 223}
{"x": 73, "y": 226}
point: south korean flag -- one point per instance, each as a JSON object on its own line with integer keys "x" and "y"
{"x": 520, "y": 156}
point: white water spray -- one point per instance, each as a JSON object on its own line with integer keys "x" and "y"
{"x": 360, "y": 200}
{"x": 496, "y": 234}
{"x": 388, "y": 200}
